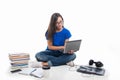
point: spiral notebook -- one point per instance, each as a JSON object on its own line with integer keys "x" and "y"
{"x": 36, "y": 72}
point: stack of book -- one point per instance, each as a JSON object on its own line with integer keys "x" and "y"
{"x": 19, "y": 60}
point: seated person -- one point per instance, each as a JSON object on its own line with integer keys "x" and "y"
{"x": 56, "y": 36}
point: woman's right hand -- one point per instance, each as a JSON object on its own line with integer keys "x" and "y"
{"x": 71, "y": 52}
{"x": 61, "y": 47}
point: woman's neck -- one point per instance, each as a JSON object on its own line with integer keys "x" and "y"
{"x": 58, "y": 30}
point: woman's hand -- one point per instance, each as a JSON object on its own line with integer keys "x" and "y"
{"x": 61, "y": 47}
{"x": 52, "y": 47}
{"x": 71, "y": 52}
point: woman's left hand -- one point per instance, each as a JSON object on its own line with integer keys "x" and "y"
{"x": 71, "y": 52}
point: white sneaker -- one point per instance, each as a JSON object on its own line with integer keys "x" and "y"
{"x": 71, "y": 64}
{"x": 35, "y": 64}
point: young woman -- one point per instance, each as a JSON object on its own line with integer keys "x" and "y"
{"x": 56, "y": 36}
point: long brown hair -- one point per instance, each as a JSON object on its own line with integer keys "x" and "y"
{"x": 52, "y": 25}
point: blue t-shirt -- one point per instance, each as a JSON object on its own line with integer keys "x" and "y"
{"x": 60, "y": 37}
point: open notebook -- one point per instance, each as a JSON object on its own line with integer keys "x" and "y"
{"x": 37, "y": 72}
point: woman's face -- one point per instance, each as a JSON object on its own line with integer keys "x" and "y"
{"x": 59, "y": 23}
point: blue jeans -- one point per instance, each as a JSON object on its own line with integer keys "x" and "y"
{"x": 56, "y": 58}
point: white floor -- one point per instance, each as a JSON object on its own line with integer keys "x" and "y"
{"x": 24, "y": 22}
{"x": 59, "y": 73}
{"x": 109, "y": 58}
{"x": 66, "y": 72}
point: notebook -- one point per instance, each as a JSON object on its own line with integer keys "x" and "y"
{"x": 72, "y": 45}
{"x": 36, "y": 72}
{"x": 27, "y": 71}
{"x": 91, "y": 70}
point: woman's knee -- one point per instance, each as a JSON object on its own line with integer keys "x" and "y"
{"x": 40, "y": 57}
{"x": 73, "y": 56}
{"x": 37, "y": 55}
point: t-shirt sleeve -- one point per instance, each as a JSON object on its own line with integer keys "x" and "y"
{"x": 46, "y": 35}
{"x": 68, "y": 34}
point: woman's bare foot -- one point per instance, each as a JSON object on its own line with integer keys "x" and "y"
{"x": 44, "y": 63}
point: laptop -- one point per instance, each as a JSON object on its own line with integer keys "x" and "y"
{"x": 91, "y": 70}
{"x": 72, "y": 45}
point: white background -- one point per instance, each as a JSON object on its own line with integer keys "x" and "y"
{"x": 24, "y": 22}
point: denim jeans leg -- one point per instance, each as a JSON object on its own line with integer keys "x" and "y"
{"x": 46, "y": 55}
{"x": 42, "y": 56}
{"x": 63, "y": 59}
{"x": 55, "y": 57}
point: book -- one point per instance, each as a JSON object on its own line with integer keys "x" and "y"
{"x": 19, "y": 60}
{"x": 27, "y": 71}
{"x": 19, "y": 67}
{"x": 36, "y": 72}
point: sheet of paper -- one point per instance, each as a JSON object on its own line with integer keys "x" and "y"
{"x": 37, "y": 73}
{"x": 27, "y": 71}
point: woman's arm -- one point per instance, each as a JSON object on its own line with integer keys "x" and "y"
{"x": 51, "y": 47}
